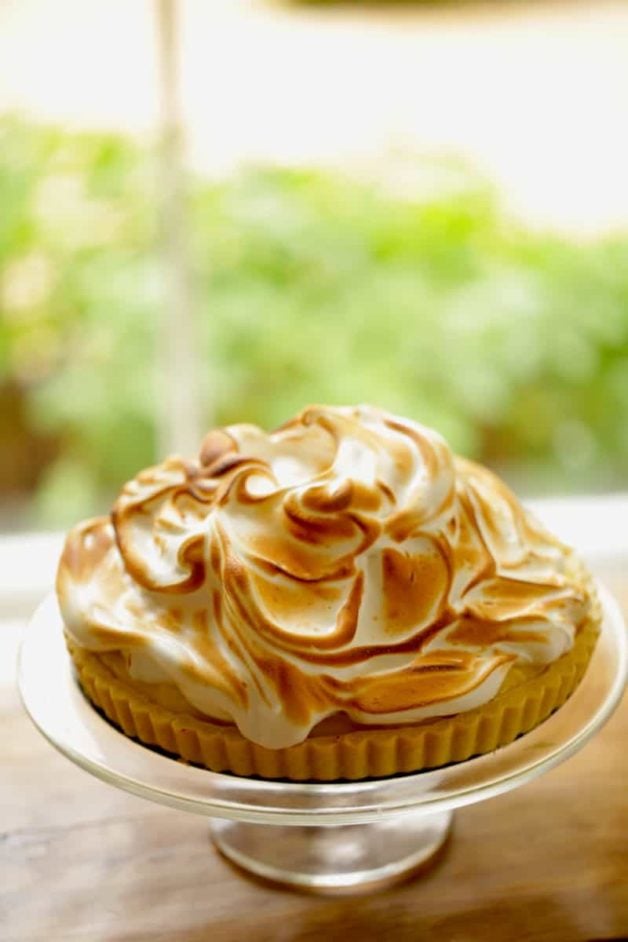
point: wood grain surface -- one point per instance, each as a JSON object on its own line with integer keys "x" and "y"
{"x": 81, "y": 861}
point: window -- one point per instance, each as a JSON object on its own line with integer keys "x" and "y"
{"x": 421, "y": 206}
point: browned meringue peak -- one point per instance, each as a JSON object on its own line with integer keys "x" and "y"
{"x": 346, "y": 562}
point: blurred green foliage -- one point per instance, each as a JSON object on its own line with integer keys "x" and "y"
{"x": 311, "y": 287}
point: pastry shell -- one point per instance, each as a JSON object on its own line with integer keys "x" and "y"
{"x": 522, "y": 703}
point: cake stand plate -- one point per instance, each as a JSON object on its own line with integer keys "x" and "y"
{"x": 346, "y": 836}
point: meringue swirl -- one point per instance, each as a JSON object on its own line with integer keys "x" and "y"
{"x": 346, "y": 564}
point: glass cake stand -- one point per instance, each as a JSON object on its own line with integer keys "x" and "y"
{"x": 347, "y": 836}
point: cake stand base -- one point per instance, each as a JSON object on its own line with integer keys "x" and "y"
{"x": 350, "y": 858}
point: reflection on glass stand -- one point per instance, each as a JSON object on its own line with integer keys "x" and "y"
{"x": 326, "y": 837}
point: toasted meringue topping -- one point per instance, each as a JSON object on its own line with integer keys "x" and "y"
{"x": 346, "y": 563}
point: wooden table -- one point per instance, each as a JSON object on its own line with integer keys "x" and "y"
{"x": 81, "y": 861}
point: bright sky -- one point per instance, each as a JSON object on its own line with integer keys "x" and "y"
{"x": 536, "y": 94}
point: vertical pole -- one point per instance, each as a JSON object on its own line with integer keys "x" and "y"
{"x": 178, "y": 391}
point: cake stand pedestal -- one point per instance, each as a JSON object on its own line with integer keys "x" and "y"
{"x": 346, "y": 836}
{"x": 325, "y": 858}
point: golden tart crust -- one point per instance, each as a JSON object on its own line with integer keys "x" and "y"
{"x": 522, "y": 703}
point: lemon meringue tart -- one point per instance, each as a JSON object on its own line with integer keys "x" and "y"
{"x": 339, "y": 599}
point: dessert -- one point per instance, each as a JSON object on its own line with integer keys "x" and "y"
{"x": 341, "y": 598}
